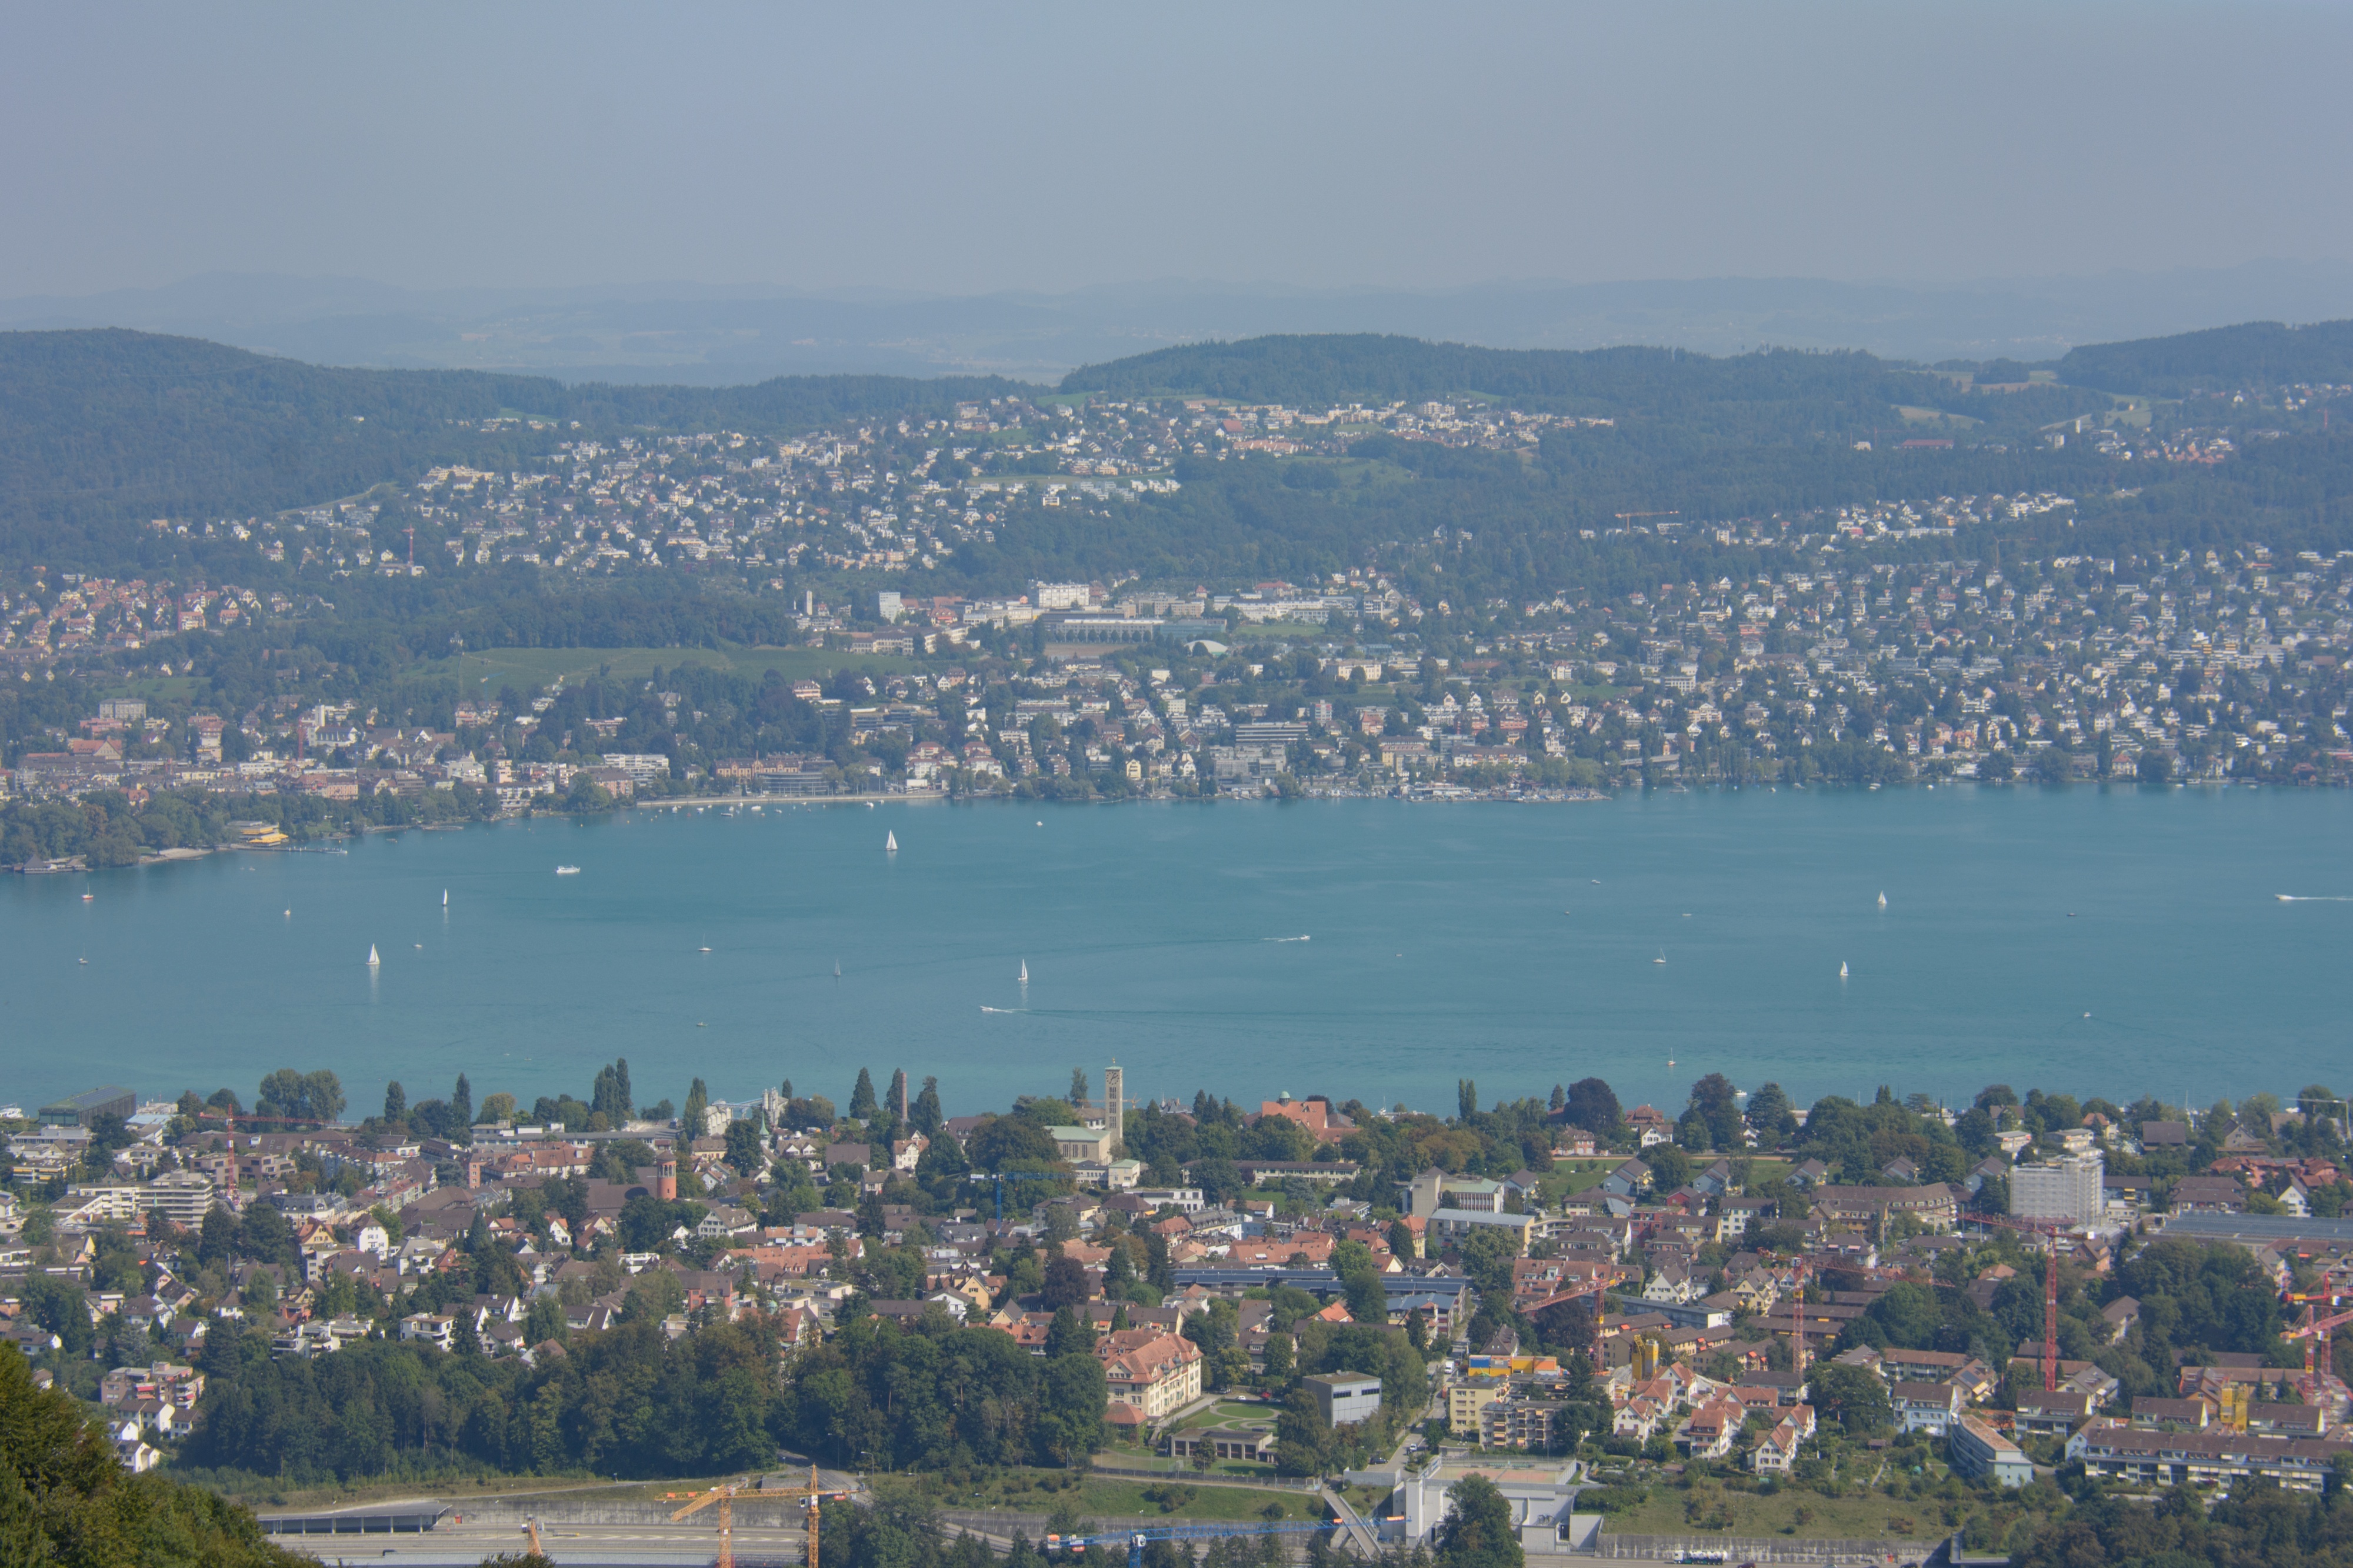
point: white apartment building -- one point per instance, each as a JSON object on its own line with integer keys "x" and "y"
{"x": 2066, "y": 1190}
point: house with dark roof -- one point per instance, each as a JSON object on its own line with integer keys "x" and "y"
{"x": 2209, "y": 1195}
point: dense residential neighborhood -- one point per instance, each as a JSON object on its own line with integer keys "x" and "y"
{"x": 2014, "y": 1291}
{"x": 1874, "y": 643}
{"x": 2209, "y": 672}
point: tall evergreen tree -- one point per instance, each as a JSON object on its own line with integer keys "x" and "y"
{"x": 396, "y": 1102}
{"x": 926, "y": 1113}
{"x": 862, "y": 1096}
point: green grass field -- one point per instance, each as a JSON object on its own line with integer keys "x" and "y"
{"x": 1571, "y": 1176}
{"x": 529, "y": 669}
{"x": 1568, "y": 1177}
{"x": 1846, "y": 1518}
{"x": 155, "y": 689}
{"x": 1230, "y": 1411}
{"x": 1111, "y": 1501}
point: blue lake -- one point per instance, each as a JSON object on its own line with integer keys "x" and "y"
{"x": 2110, "y": 942}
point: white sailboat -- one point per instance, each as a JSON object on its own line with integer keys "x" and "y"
{"x": 1661, "y": 958}
{"x": 1841, "y": 969}
{"x": 890, "y": 843}
{"x": 837, "y": 969}
{"x": 374, "y": 961}
{"x": 1882, "y": 901}
{"x": 1024, "y": 972}
{"x": 444, "y": 897}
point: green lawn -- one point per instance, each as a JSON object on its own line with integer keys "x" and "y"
{"x": 529, "y": 669}
{"x": 264, "y": 1494}
{"x": 1115, "y": 1501}
{"x": 1846, "y": 1518}
{"x": 1568, "y": 1177}
{"x": 1226, "y": 1411}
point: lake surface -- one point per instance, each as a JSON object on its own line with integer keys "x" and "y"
{"x": 2109, "y": 941}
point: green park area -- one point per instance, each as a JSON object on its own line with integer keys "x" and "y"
{"x": 530, "y": 669}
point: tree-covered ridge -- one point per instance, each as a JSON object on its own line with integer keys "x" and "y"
{"x": 103, "y": 430}
{"x": 2255, "y": 353}
{"x": 1834, "y": 390}
{"x": 65, "y": 1501}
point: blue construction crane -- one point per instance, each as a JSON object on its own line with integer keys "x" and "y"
{"x": 1000, "y": 1178}
{"x": 1134, "y": 1540}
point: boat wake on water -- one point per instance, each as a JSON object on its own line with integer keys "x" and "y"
{"x": 1288, "y": 939}
{"x": 985, "y": 1009}
{"x": 2313, "y": 897}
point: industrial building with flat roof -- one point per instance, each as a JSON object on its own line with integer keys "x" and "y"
{"x": 82, "y": 1110}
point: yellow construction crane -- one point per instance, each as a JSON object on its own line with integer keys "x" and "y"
{"x": 813, "y": 1500}
{"x": 724, "y": 1496}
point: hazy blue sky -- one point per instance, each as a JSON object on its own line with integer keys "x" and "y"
{"x": 966, "y": 148}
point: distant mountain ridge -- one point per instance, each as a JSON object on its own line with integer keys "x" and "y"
{"x": 697, "y": 334}
{"x": 1377, "y": 370}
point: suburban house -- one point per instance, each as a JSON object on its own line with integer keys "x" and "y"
{"x": 1150, "y": 1371}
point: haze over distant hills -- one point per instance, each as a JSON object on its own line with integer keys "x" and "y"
{"x": 708, "y": 335}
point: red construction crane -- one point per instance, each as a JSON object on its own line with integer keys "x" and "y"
{"x": 1798, "y": 1322}
{"x": 2051, "y": 1228}
{"x": 2310, "y": 1331}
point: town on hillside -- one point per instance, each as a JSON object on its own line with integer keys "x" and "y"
{"x": 2185, "y": 670}
{"x": 1874, "y": 643}
{"x": 1997, "y": 1310}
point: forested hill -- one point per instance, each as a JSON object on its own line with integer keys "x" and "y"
{"x": 1366, "y": 368}
{"x": 2222, "y": 360}
{"x": 99, "y": 429}
{"x": 102, "y": 430}
{"x": 1668, "y": 384}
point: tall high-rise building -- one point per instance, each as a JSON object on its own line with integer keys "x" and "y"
{"x": 1115, "y": 1102}
{"x": 2066, "y": 1190}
